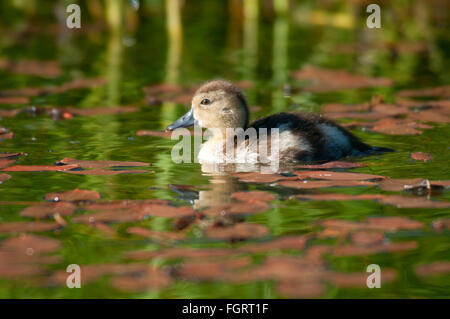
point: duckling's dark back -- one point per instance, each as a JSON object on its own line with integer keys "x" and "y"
{"x": 324, "y": 139}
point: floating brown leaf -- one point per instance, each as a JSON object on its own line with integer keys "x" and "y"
{"x": 353, "y": 250}
{"x": 152, "y": 279}
{"x": 28, "y": 244}
{"x": 435, "y": 268}
{"x": 412, "y": 202}
{"x": 106, "y": 229}
{"x": 101, "y": 171}
{"x": 237, "y": 209}
{"x": 123, "y": 204}
{"x": 359, "y": 280}
{"x": 262, "y": 178}
{"x": 154, "y": 133}
{"x": 73, "y": 195}
{"x": 288, "y": 242}
{"x": 166, "y": 210}
{"x": 13, "y": 100}
{"x": 100, "y": 164}
{"x": 441, "y": 224}
{"x": 285, "y": 268}
{"x": 254, "y": 196}
{"x": 442, "y": 91}
{"x": 324, "y": 80}
{"x": 238, "y": 231}
{"x": 90, "y": 273}
{"x": 78, "y": 83}
{"x": 332, "y": 165}
{"x": 433, "y": 115}
{"x": 420, "y": 156}
{"x": 8, "y": 155}
{"x": 417, "y": 185}
{"x": 95, "y": 111}
{"x": 394, "y": 223}
{"x": 164, "y": 134}
{"x": 156, "y": 234}
{"x": 20, "y": 227}
{"x": 179, "y": 252}
{"x": 339, "y": 197}
{"x": 337, "y": 176}
{"x": 306, "y": 184}
{"x": 366, "y": 238}
{"x": 48, "y": 69}
{"x": 4, "y": 177}
{"x": 39, "y": 168}
{"x": 5, "y": 162}
{"x": 374, "y": 223}
{"x": 399, "y": 201}
{"x": 211, "y": 270}
{"x": 396, "y": 127}
{"x": 342, "y": 108}
{"x": 117, "y": 216}
{"x": 10, "y": 113}
{"x": 22, "y": 256}
{"x": 49, "y": 209}
{"x": 5, "y": 134}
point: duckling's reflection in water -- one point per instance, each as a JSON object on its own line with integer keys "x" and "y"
{"x": 223, "y": 184}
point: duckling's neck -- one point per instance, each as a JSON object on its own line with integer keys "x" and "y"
{"x": 212, "y": 151}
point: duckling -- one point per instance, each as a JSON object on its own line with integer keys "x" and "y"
{"x": 219, "y": 105}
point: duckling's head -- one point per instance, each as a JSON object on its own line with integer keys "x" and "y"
{"x": 216, "y": 105}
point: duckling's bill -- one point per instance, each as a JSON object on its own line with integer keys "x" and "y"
{"x": 187, "y": 120}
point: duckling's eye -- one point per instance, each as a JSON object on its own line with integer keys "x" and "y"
{"x": 205, "y": 102}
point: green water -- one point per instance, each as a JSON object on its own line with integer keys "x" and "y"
{"x": 212, "y": 47}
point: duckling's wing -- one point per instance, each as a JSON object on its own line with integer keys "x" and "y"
{"x": 318, "y": 138}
